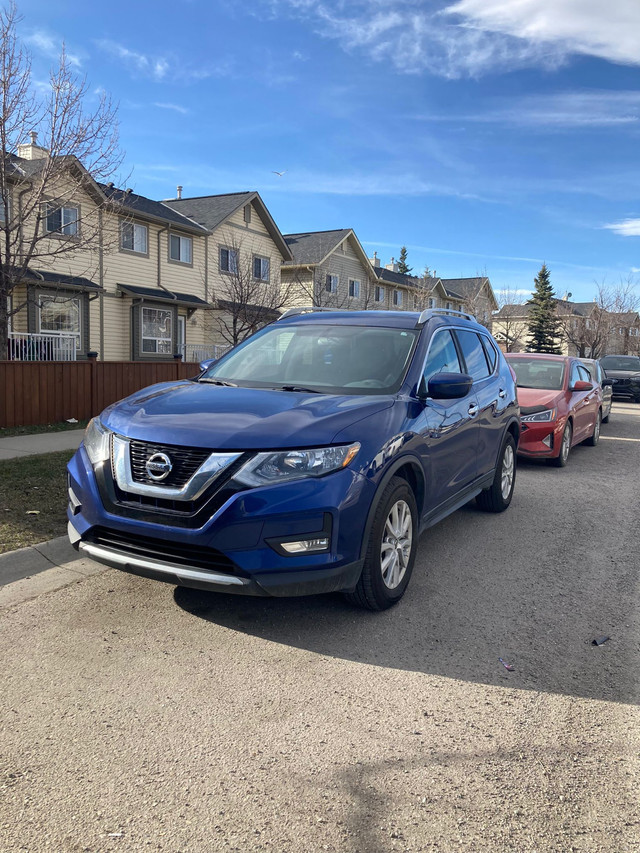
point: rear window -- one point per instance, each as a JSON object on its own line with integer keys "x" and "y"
{"x": 541, "y": 373}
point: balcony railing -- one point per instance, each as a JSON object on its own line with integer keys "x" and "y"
{"x": 195, "y": 352}
{"x": 31, "y": 346}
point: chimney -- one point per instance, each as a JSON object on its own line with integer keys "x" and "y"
{"x": 179, "y": 191}
{"x": 393, "y": 266}
{"x": 375, "y": 260}
{"x": 31, "y": 150}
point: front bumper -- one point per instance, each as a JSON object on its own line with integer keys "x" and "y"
{"x": 541, "y": 440}
{"x": 236, "y": 549}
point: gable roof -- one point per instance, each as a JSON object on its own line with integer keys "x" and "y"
{"x": 310, "y": 248}
{"x": 157, "y": 210}
{"x": 468, "y": 288}
{"x": 210, "y": 211}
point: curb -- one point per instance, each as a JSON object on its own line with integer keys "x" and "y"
{"x": 30, "y": 572}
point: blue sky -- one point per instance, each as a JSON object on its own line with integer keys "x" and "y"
{"x": 486, "y": 136}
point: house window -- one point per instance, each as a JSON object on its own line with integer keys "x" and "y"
{"x": 3, "y": 209}
{"x": 228, "y": 260}
{"x": 397, "y": 298}
{"x": 331, "y": 284}
{"x": 432, "y": 303}
{"x": 261, "y": 268}
{"x": 379, "y": 293}
{"x": 60, "y": 315}
{"x": 180, "y": 249}
{"x": 448, "y": 305}
{"x": 134, "y": 237}
{"x": 156, "y": 330}
{"x": 354, "y": 288}
{"x": 62, "y": 220}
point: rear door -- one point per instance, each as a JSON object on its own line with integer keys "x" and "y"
{"x": 584, "y": 404}
{"x": 481, "y": 362}
{"x": 448, "y": 429}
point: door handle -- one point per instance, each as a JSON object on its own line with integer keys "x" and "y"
{"x": 473, "y": 409}
{"x": 502, "y": 393}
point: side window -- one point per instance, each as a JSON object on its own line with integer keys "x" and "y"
{"x": 490, "y": 352}
{"x": 584, "y": 374}
{"x": 442, "y": 357}
{"x": 473, "y": 353}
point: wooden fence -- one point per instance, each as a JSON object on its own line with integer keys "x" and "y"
{"x": 41, "y": 392}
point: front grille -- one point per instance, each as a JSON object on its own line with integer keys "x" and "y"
{"x": 185, "y": 461}
{"x": 163, "y": 550}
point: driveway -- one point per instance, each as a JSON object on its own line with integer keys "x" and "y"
{"x": 135, "y": 717}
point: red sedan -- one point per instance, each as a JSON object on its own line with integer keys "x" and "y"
{"x": 559, "y": 405}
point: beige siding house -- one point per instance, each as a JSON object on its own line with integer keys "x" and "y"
{"x": 245, "y": 251}
{"x": 329, "y": 269}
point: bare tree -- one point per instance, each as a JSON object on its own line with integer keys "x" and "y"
{"x": 508, "y": 326}
{"x": 42, "y": 214}
{"x": 607, "y": 326}
{"x": 248, "y": 298}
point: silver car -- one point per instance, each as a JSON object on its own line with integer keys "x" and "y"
{"x": 598, "y": 375}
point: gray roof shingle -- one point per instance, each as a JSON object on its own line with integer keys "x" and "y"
{"x": 146, "y": 207}
{"x": 312, "y": 247}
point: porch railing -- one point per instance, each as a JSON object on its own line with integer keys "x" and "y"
{"x": 32, "y": 346}
{"x": 196, "y": 352}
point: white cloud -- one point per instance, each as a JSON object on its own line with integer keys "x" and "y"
{"x": 148, "y": 66}
{"x": 585, "y": 109}
{"x": 609, "y": 30}
{"x": 473, "y": 37}
{"x": 50, "y": 46}
{"x": 626, "y": 228}
{"x": 176, "y": 107}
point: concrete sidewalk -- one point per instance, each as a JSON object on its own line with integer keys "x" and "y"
{"x": 30, "y": 572}
{"x": 43, "y": 442}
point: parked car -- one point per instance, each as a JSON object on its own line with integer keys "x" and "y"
{"x": 625, "y": 370}
{"x": 313, "y": 471}
{"x": 560, "y": 406}
{"x": 606, "y": 385}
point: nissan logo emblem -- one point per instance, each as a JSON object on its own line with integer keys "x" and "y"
{"x": 158, "y": 466}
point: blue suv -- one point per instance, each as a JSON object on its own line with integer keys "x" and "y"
{"x": 306, "y": 460}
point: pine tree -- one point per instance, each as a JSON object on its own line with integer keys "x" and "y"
{"x": 402, "y": 262}
{"x": 544, "y": 326}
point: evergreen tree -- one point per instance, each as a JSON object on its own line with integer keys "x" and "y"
{"x": 544, "y": 326}
{"x": 402, "y": 262}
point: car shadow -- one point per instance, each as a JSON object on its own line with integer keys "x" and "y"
{"x": 472, "y": 601}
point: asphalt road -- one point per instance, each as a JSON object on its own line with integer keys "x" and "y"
{"x": 136, "y": 717}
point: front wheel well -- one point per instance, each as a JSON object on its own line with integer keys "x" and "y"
{"x": 409, "y": 473}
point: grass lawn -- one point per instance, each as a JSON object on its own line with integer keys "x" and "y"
{"x": 33, "y": 483}
{"x": 8, "y": 432}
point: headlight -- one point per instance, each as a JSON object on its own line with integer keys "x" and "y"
{"x": 540, "y": 417}
{"x": 283, "y": 466}
{"x": 96, "y": 441}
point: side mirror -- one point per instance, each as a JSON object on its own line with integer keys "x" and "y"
{"x": 581, "y": 385}
{"x": 206, "y": 364}
{"x": 607, "y": 383}
{"x": 449, "y": 386}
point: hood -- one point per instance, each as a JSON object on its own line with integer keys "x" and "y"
{"x": 200, "y": 415}
{"x": 536, "y": 398}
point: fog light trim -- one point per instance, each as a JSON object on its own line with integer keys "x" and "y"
{"x": 306, "y": 546}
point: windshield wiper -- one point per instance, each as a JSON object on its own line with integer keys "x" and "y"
{"x": 217, "y": 382}
{"x": 298, "y": 388}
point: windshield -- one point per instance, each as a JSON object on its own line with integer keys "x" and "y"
{"x": 621, "y": 362}
{"x": 314, "y": 357}
{"x": 542, "y": 373}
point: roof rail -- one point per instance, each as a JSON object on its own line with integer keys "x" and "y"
{"x": 428, "y": 313}
{"x": 308, "y": 309}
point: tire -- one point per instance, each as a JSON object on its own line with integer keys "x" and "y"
{"x": 594, "y": 438}
{"x": 565, "y": 446}
{"x": 381, "y": 586}
{"x": 498, "y": 497}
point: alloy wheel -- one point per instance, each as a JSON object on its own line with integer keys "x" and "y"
{"x": 508, "y": 471}
{"x": 397, "y": 538}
